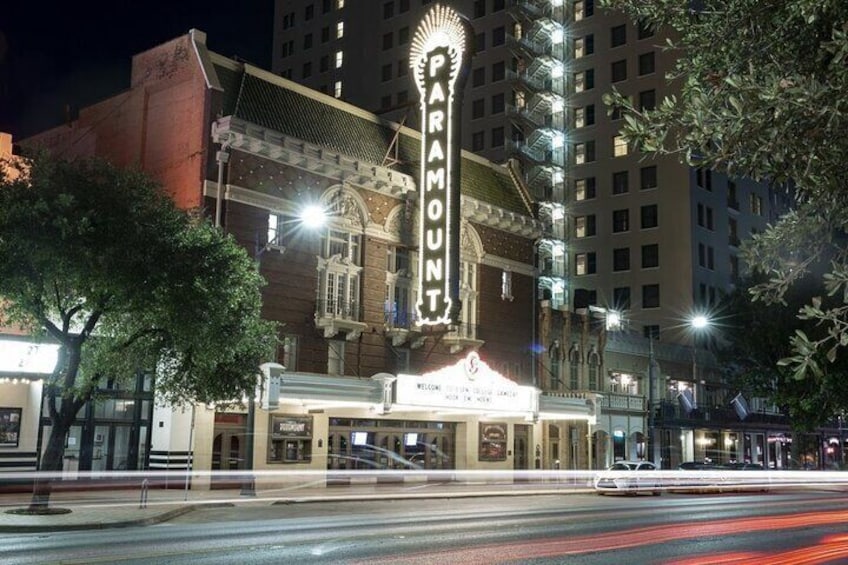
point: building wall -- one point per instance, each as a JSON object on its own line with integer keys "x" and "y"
{"x": 161, "y": 124}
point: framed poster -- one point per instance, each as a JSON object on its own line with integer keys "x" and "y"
{"x": 10, "y": 426}
{"x": 492, "y": 442}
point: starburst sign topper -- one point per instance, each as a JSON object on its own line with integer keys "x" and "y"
{"x": 439, "y": 61}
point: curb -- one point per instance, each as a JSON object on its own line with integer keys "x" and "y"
{"x": 148, "y": 521}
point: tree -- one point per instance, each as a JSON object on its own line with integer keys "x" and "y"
{"x": 753, "y": 343}
{"x": 762, "y": 91}
{"x": 98, "y": 260}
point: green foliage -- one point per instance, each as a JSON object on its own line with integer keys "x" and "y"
{"x": 759, "y": 338}
{"x": 761, "y": 90}
{"x": 96, "y": 258}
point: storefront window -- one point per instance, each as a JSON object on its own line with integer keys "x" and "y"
{"x": 290, "y": 439}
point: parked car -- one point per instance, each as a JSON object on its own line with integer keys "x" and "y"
{"x": 707, "y": 477}
{"x": 628, "y": 477}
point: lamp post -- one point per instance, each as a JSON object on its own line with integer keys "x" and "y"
{"x": 312, "y": 217}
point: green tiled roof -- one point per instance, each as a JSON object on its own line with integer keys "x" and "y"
{"x": 296, "y": 112}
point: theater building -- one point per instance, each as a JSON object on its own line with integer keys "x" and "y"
{"x": 364, "y": 385}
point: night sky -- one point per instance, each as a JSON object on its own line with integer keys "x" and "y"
{"x": 59, "y": 53}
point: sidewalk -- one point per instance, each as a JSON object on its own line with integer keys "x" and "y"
{"x": 124, "y": 508}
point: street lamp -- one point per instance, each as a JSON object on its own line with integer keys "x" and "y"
{"x": 313, "y": 217}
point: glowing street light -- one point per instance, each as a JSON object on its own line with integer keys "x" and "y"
{"x": 313, "y": 216}
{"x": 700, "y": 321}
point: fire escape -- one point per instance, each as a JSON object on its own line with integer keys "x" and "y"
{"x": 539, "y": 113}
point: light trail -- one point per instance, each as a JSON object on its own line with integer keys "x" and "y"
{"x": 832, "y": 548}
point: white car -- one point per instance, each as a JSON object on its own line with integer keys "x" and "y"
{"x": 628, "y": 477}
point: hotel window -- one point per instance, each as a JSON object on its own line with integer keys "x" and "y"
{"x": 649, "y": 216}
{"x": 650, "y": 256}
{"x": 647, "y": 100}
{"x": 584, "y": 152}
{"x": 498, "y": 36}
{"x": 404, "y": 6}
{"x": 402, "y": 97}
{"x": 480, "y": 42}
{"x": 644, "y": 30}
{"x": 574, "y": 369}
{"x": 583, "y": 9}
{"x": 477, "y": 141}
{"x": 584, "y": 263}
{"x": 621, "y": 298}
{"x": 650, "y": 296}
{"x": 478, "y": 76}
{"x": 584, "y": 80}
{"x": 288, "y": 48}
{"x": 704, "y": 179}
{"x": 339, "y": 30}
{"x": 619, "y": 146}
{"x": 618, "y": 70}
{"x": 710, "y": 258}
{"x": 288, "y": 20}
{"x": 325, "y": 34}
{"x": 651, "y": 332}
{"x": 479, "y": 8}
{"x": 388, "y": 40}
{"x": 498, "y": 5}
{"x": 584, "y": 189}
{"x": 388, "y": 10}
{"x": 324, "y": 63}
{"x": 710, "y": 224}
{"x": 584, "y": 226}
{"x": 497, "y": 137}
{"x": 498, "y": 71}
{"x": 621, "y": 259}
{"x": 584, "y": 116}
{"x": 620, "y": 182}
{"x": 337, "y": 89}
{"x": 326, "y": 6}
{"x": 648, "y": 177}
{"x": 618, "y": 35}
{"x": 506, "y": 285}
{"x": 620, "y": 220}
{"x": 733, "y": 232}
{"x": 339, "y": 59}
{"x": 584, "y": 46}
{"x": 386, "y": 102}
{"x": 386, "y": 72}
{"x": 339, "y": 4}
{"x": 647, "y": 63}
{"x": 756, "y": 205}
{"x": 732, "y": 195}
{"x": 402, "y": 68}
{"x": 307, "y": 41}
{"x": 498, "y": 103}
{"x": 307, "y": 70}
{"x": 478, "y": 108}
{"x": 309, "y": 13}
{"x": 403, "y": 36}
{"x": 734, "y": 268}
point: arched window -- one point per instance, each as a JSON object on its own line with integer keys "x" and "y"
{"x": 574, "y": 368}
{"x": 594, "y": 364}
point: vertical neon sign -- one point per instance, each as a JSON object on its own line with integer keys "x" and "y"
{"x": 439, "y": 61}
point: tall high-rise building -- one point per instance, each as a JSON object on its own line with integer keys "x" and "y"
{"x": 649, "y": 236}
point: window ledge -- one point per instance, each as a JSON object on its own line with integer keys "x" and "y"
{"x": 333, "y": 326}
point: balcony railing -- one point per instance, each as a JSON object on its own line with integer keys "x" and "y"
{"x": 336, "y": 316}
{"x": 623, "y": 402}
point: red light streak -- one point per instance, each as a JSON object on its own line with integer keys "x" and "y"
{"x": 831, "y": 548}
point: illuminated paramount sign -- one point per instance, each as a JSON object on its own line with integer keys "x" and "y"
{"x": 439, "y": 60}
